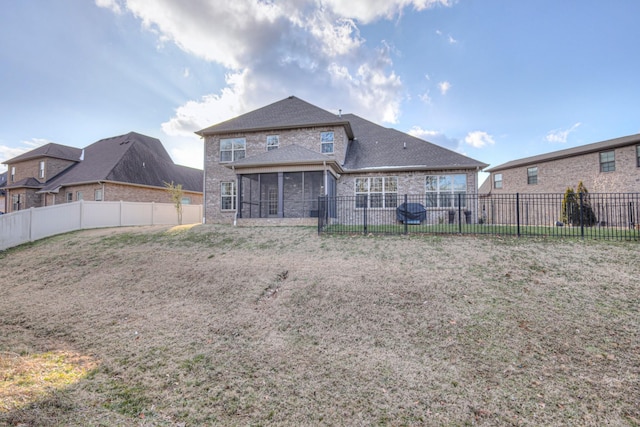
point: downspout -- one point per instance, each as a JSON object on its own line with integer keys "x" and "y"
{"x": 235, "y": 215}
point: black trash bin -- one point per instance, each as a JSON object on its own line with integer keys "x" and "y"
{"x": 467, "y": 217}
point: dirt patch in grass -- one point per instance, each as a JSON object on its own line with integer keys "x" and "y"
{"x": 277, "y": 326}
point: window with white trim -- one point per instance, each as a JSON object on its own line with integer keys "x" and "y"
{"x": 13, "y": 173}
{"x": 608, "y": 161}
{"x": 326, "y": 138}
{"x": 446, "y": 191}
{"x": 79, "y": 195}
{"x": 97, "y": 195}
{"x": 232, "y": 149}
{"x": 497, "y": 180}
{"x": 273, "y": 142}
{"x": 41, "y": 169}
{"x": 186, "y": 200}
{"x": 228, "y": 196}
{"x": 69, "y": 197}
{"x": 377, "y": 192}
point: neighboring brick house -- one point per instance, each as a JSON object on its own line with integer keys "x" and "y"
{"x": 611, "y": 166}
{"x": 3, "y": 181}
{"x": 272, "y": 164}
{"x": 131, "y": 167}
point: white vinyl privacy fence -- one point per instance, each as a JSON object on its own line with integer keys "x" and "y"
{"x": 37, "y": 223}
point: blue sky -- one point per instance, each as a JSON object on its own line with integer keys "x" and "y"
{"x": 493, "y": 79}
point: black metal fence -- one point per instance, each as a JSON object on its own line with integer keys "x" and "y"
{"x": 613, "y": 216}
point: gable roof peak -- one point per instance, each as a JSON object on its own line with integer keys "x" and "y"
{"x": 288, "y": 113}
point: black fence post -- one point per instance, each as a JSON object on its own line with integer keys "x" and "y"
{"x": 459, "y": 213}
{"x": 581, "y": 218}
{"x": 364, "y": 213}
{"x": 406, "y": 211}
{"x": 518, "y": 214}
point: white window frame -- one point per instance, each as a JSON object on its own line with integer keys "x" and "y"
{"x": 273, "y": 142}
{"x": 42, "y": 165}
{"x": 380, "y": 192}
{"x": 497, "y": 180}
{"x": 226, "y": 195}
{"x": 13, "y": 173}
{"x": 79, "y": 195}
{"x": 235, "y": 147}
{"x": 441, "y": 191}
{"x": 97, "y": 195}
{"x": 186, "y": 200}
{"x": 327, "y": 141}
{"x": 69, "y": 197}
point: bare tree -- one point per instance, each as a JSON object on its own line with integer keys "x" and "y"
{"x": 176, "y": 197}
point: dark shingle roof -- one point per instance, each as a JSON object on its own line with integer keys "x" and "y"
{"x": 131, "y": 158}
{"x": 49, "y": 150}
{"x": 26, "y": 183}
{"x": 287, "y": 155}
{"x": 289, "y": 113}
{"x": 377, "y": 147}
{"x": 570, "y": 152}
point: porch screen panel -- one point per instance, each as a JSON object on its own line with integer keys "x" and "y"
{"x": 293, "y": 195}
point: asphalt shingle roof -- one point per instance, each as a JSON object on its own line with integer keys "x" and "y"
{"x": 569, "y": 152}
{"x": 377, "y": 147}
{"x": 290, "y": 154}
{"x": 49, "y": 150}
{"x": 289, "y": 113}
{"x": 131, "y": 158}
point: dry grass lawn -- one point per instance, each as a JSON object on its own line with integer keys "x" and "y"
{"x": 214, "y": 325}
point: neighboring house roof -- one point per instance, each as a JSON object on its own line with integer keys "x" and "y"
{"x": 49, "y": 150}
{"x": 378, "y": 148}
{"x": 26, "y": 183}
{"x": 485, "y": 188}
{"x": 132, "y": 158}
{"x": 287, "y": 155}
{"x": 570, "y": 152}
{"x": 289, "y": 113}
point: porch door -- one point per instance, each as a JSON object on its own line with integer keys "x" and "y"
{"x": 273, "y": 202}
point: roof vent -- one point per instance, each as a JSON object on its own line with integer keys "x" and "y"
{"x": 340, "y": 112}
{"x": 82, "y": 155}
{"x": 404, "y": 145}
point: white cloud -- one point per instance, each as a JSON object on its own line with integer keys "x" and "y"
{"x": 8, "y": 153}
{"x": 444, "y": 87}
{"x": 452, "y": 40}
{"x": 561, "y": 135}
{"x": 310, "y": 49}
{"x": 110, "y": 4}
{"x": 425, "y": 97}
{"x": 478, "y": 139}
{"x": 435, "y": 137}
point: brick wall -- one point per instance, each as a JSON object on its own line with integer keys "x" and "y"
{"x": 556, "y": 175}
{"x": 31, "y": 169}
{"x": 256, "y": 143}
{"x": 116, "y": 192}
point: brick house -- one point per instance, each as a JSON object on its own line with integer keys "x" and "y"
{"x": 3, "y": 182}
{"x": 611, "y": 166}
{"x": 131, "y": 167}
{"x": 270, "y": 165}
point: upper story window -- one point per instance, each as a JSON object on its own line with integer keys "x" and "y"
{"x": 377, "y": 192}
{"x": 273, "y": 142}
{"x": 638, "y": 155}
{"x": 497, "y": 180}
{"x": 326, "y": 138}
{"x": 41, "y": 169}
{"x": 532, "y": 175}
{"x": 232, "y": 149}
{"x": 608, "y": 161}
{"x": 446, "y": 191}
{"x": 13, "y": 173}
